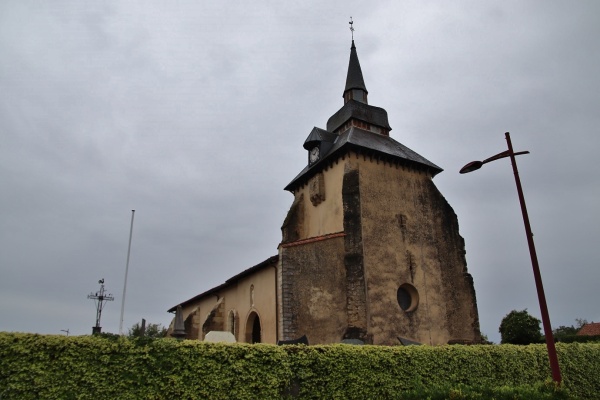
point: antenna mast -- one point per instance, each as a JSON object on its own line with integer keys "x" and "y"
{"x": 100, "y": 298}
{"x": 126, "y": 270}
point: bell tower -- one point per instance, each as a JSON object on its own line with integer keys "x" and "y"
{"x": 370, "y": 248}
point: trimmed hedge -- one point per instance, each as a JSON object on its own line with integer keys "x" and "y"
{"x": 88, "y": 367}
{"x": 579, "y": 338}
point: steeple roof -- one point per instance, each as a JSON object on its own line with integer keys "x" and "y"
{"x": 359, "y": 128}
{"x": 356, "y": 108}
{"x": 355, "y": 79}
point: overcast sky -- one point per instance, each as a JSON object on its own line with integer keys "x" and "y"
{"x": 194, "y": 113}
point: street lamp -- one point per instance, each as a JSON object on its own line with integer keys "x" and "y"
{"x": 475, "y": 165}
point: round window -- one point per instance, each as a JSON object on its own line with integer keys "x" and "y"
{"x": 408, "y": 297}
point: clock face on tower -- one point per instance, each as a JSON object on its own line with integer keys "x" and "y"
{"x": 313, "y": 156}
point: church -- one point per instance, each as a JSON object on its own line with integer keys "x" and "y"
{"x": 370, "y": 251}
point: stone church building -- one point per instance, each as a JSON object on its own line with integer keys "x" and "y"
{"x": 370, "y": 248}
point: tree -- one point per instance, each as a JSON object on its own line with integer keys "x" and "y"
{"x": 580, "y": 322}
{"x": 152, "y": 331}
{"x": 563, "y": 331}
{"x": 518, "y": 327}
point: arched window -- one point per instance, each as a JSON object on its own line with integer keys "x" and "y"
{"x": 232, "y": 322}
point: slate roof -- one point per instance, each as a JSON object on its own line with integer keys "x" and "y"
{"x": 318, "y": 135}
{"x": 354, "y": 79}
{"x": 591, "y": 329}
{"x": 366, "y": 142}
{"x": 361, "y": 111}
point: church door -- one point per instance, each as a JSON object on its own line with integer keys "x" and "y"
{"x": 253, "y": 334}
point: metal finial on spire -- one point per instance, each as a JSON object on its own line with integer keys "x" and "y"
{"x": 351, "y": 27}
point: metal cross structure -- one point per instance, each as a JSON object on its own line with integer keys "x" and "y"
{"x": 100, "y": 297}
{"x": 351, "y": 27}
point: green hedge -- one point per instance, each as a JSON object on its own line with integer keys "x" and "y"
{"x": 87, "y": 367}
{"x": 579, "y": 339}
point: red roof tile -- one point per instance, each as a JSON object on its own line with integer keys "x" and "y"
{"x": 590, "y": 329}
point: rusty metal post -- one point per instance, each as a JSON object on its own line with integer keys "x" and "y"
{"x": 556, "y": 376}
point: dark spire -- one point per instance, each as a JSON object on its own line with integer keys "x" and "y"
{"x": 355, "y": 84}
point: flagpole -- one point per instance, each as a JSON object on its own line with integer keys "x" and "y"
{"x": 126, "y": 270}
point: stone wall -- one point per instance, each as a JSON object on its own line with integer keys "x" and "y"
{"x": 313, "y": 290}
{"x": 411, "y": 240}
{"x": 374, "y": 255}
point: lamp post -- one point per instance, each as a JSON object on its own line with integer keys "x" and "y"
{"x": 475, "y": 165}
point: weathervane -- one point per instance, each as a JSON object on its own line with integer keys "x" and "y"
{"x": 351, "y": 27}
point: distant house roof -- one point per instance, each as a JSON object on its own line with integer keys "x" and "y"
{"x": 591, "y": 329}
{"x": 267, "y": 263}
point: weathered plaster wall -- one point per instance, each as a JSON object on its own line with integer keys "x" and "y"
{"x": 263, "y": 302}
{"x": 307, "y": 220}
{"x": 212, "y": 311}
{"x": 410, "y": 235}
